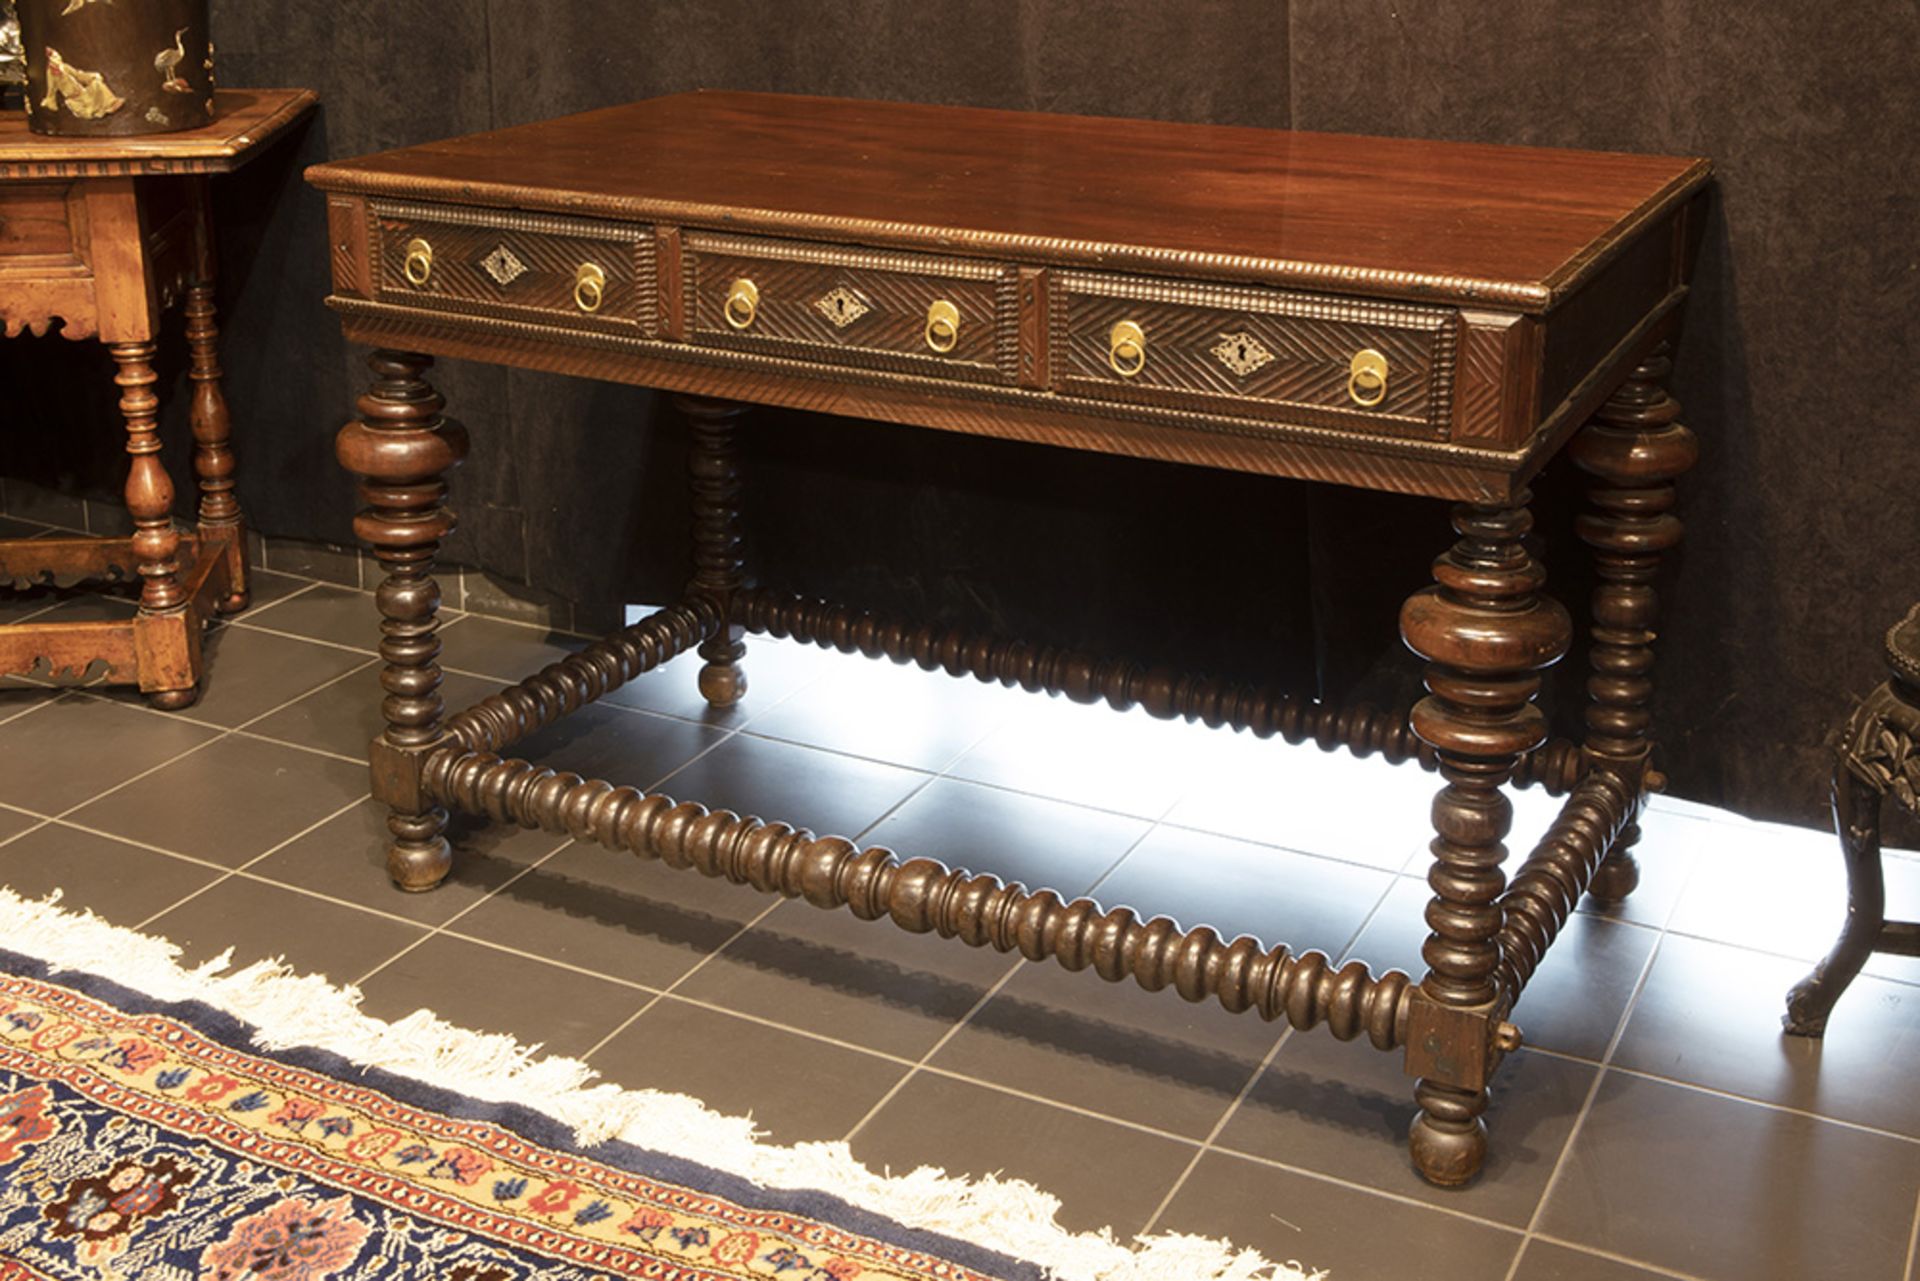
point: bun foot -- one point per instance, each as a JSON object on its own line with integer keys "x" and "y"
{"x": 722, "y": 686}
{"x": 1616, "y": 878}
{"x": 233, "y": 604}
{"x": 419, "y": 868}
{"x": 174, "y": 700}
{"x": 1448, "y": 1155}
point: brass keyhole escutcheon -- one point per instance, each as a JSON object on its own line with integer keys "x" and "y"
{"x": 943, "y": 326}
{"x": 589, "y": 286}
{"x": 743, "y": 300}
{"x": 1367, "y": 378}
{"x": 1127, "y": 349}
{"x": 419, "y": 264}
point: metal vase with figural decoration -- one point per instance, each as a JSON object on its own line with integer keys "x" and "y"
{"x": 110, "y": 68}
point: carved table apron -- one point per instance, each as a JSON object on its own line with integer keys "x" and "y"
{"x": 1426, "y": 318}
{"x": 102, "y": 235}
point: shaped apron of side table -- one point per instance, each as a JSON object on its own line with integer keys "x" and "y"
{"x": 1420, "y": 317}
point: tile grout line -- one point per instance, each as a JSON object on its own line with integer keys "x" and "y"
{"x": 1273, "y": 1052}
{"x": 1012, "y": 969}
{"x": 329, "y": 683}
{"x": 1586, "y": 1104}
{"x": 152, "y": 769}
{"x": 667, "y": 991}
{"x": 57, "y": 692}
{"x": 893, "y": 809}
{"x": 806, "y": 1034}
{"x": 1913, "y": 1239}
{"x": 1352, "y": 1185}
{"x": 1765, "y": 1104}
{"x": 914, "y": 1070}
{"x": 232, "y": 872}
{"x": 441, "y": 927}
{"x": 148, "y": 846}
{"x": 99, "y": 694}
{"x": 309, "y": 749}
{"x": 1594, "y": 1252}
{"x": 221, "y": 732}
{"x": 31, "y": 827}
{"x": 697, "y": 966}
{"x": 444, "y": 927}
{"x": 506, "y": 948}
{"x": 1206, "y": 1144}
{"x": 316, "y": 640}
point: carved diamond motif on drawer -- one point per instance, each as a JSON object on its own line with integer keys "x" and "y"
{"x": 1241, "y": 352}
{"x": 503, "y": 266}
{"x": 842, "y": 306}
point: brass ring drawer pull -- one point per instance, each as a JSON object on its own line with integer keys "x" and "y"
{"x": 943, "y": 326}
{"x": 1127, "y": 349}
{"x": 419, "y": 264}
{"x": 1367, "y": 378}
{"x": 589, "y": 286}
{"x": 743, "y": 300}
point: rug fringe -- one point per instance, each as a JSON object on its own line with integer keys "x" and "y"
{"x": 1008, "y": 1216}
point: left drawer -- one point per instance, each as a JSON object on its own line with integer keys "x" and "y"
{"x": 577, "y": 272}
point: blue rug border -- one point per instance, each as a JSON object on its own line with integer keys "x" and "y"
{"x": 534, "y": 1126}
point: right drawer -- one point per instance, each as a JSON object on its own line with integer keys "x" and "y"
{"x": 1310, "y": 358}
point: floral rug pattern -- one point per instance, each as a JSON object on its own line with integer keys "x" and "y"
{"x": 134, "y": 1146}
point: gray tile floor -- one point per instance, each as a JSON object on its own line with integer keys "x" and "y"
{"x": 1657, "y": 1126}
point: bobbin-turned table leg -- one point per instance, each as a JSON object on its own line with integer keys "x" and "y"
{"x": 713, "y": 465}
{"x": 1486, "y": 633}
{"x": 401, "y": 445}
{"x": 1634, "y": 448}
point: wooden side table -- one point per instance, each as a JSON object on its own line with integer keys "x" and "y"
{"x": 104, "y": 235}
{"x": 1877, "y": 756}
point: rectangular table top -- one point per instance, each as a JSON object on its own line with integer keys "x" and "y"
{"x": 1517, "y": 227}
{"x": 244, "y": 120}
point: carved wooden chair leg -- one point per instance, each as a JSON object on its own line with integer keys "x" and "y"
{"x": 1634, "y": 448}
{"x": 222, "y": 529}
{"x": 401, "y": 445}
{"x": 1856, "y": 819}
{"x": 718, "y": 568}
{"x": 1486, "y": 633}
{"x": 149, "y": 497}
{"x": 1878, "y": 756}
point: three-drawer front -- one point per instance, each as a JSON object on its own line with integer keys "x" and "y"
{"x": 910, "y": 313}
{"x": 1313, "y": 359}
{"x": 571, "y": 271}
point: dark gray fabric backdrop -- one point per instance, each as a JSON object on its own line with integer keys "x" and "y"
{"x": 1796, "y": 366}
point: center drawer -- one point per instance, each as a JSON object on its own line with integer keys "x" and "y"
{"x": 1310, "y": 358}
{"x": 912, "y": 313}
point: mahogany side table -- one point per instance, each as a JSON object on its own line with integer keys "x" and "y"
{"x": 1418, "y": 317}
{"x": 104, "y": 235}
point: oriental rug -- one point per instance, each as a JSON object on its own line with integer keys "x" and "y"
{"x": 169, "y": 1124}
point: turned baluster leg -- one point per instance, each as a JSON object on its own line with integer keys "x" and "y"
{"x": 718, "y": 569}
{"x": 401, "y": 445}
{"x": 1486, "y": 633}
{"x": 149, "y": 496}
{"x": 1634, "y": 448}
{"x": 222, "y": 530}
